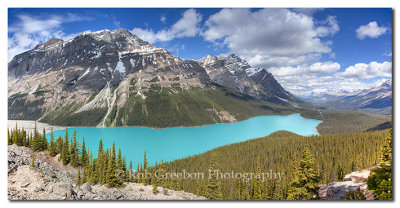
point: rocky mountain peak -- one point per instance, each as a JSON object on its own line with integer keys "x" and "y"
{"x": 387, "y": 84}
{"x": 208, "y": 60}
{"x": 49, "y": 43}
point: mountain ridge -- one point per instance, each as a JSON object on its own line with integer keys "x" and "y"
{"x": 113, "y": 78}
{"x": 374, "y": 100}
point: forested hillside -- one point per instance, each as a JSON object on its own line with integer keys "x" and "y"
{"x": 335, "y": 155}
{"x": 339, "y": 122}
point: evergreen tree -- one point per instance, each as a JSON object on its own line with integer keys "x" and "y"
{"x": 304, "y": 184}
{"x": 43, "y": 142}
{"x": 213, "y": 186}
{"x": 52, "y": 145}
{"x": 59, "y": 145}
{"x": 106, "y": 158}
{"x": 380, "y": 180}
{"x": 84, "y": 156}
{"x": 257, "y": 189}
{"x": 14, "y": 134}
{"x": 145, "y": 180}
{"x": 36, "y": 143}
{"x": 119, "y": 159}
{"x": 340, "y": 173}
{"x": 112, "y": 180}
{"x": 10, "y": 142}
{"x": 74, "y": 151}
{"x": 23, "y": 138}
{"x": 65, "y": 153}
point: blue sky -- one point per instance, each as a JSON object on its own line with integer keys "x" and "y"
{"x": 309, "y": 51}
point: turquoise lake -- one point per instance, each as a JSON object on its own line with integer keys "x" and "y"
{"x": 179, "y": 142}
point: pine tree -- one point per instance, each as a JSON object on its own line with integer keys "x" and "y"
{"x": 36, "y": 144}
{"x": 52, "y": 145}
{"x": 59, "y": 145}
{"x": 84, "y": 156}
{"x": 145, "y": 180}
{"x": 380, "y": 180}
{"x": 22, "y": 136}
{"x": 213, "y": 186}
{"x": 386, "y": 158}
{"x": 14, "y": 134}
{"x": 43, "y": 142}
{"x": 10, "y": 142}
{"x": 304, "y": 184}
{"x": 112, "y": 180}
{"x": 119, "y": 159}
{"x": 340, "y": 173}
{"x": 25, "y": 141}
{"x": 257, "y": 189}
{"x": 74, "y": 151}
{"x": 106, "y": 158}
{"x": 65, "y": 153}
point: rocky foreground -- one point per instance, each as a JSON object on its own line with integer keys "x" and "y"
{"x": 49, "y": 180}
{"x": 352, "y": 181}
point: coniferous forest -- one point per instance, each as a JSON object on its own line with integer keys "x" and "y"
{"x": 295, "y": 165}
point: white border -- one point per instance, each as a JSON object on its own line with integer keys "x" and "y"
{"x": 180, "y": 3}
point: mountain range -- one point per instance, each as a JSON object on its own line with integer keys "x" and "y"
{"x": 374, "y": 100}
{"x": 113, "y": 78}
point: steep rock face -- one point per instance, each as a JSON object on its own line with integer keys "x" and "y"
{"x": 94, "y": 59}
{"x": 235, "y": 73}
{"x": 90, "y": 71}
{"x": 113, "y": 78}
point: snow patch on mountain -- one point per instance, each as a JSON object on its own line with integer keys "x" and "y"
{"x": 120, "y": 65}
{"x": 252, "y": 71}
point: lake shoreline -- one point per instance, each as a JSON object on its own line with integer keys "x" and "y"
{"x": 29, "y": 124}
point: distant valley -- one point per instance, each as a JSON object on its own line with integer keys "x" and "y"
{"x": 375, "y": 100}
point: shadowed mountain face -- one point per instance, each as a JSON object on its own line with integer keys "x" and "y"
{"x": 113, "y": 78}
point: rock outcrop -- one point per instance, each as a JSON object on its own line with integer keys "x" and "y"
{"x": 352, "y": 181}
{"x": 45, "y": 182}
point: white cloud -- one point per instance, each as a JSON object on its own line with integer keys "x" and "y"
{"x": 366, "y": 71}
{"x": 318, "y": 68}
{"x": 187, "y": 26}
{"x": 388, "y": 54}
{"x": 163, "y": 19}
{"x": 372, "y": 30}
{"x": 272, "y": 37}
{"x": 326, "y": 77}
{"x": 29, "y": 31}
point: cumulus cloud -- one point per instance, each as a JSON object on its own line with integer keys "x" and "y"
{"x": 366, "y": 71}
{"x": 28, "y": 31}
{"x": 272, "y": 37}
{"x": 326, "y": 77}
{"x": 319, "y": 68}
{"x": 372, "y": 30}
{"x": 187, "y": 26}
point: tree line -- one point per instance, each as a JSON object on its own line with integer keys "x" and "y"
{"x": 306, "y": 161}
